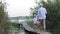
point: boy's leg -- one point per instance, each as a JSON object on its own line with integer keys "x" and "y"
{"x": 35, "y": 27}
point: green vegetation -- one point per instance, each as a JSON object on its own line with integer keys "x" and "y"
{"x": 29, "y": 22}
{"x": 5, "y": 24}
{"x": 53, "y": 16}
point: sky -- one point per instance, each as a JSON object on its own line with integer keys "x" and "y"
{"x": 19, "y": 7}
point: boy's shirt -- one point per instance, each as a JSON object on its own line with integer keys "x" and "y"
{"x": 35, "y": 20}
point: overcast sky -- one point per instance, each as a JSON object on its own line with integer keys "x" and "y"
{"x": 19, "y": 7}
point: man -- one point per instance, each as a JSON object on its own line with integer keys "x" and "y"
{"x": 41, "y": 16}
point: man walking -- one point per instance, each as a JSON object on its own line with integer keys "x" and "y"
{"x": 41, "y": 16}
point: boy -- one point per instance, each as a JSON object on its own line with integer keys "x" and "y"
{"x": 36, "y": 23}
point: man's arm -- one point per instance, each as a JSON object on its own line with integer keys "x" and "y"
{"x": 38, "y": 14}
{"x": 46, "y": 12}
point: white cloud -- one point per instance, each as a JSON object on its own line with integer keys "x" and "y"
{"x": 19, "y": 7}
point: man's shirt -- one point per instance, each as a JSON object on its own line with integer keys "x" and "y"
{"x": 41, "y": 13}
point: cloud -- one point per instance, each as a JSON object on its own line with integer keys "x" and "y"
{"x": 19, "y": 7}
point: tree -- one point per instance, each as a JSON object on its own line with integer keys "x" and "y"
{"x": 53, "y": 10}
{"x": 3, "y": 20}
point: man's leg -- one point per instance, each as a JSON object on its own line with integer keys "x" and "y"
{"x": 44, "y": 25}
{"x": 41, "y": 26}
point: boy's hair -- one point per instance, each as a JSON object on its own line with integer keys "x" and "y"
{"x": 38, "y": 23}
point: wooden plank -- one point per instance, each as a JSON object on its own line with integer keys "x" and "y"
{"x": 44, "y": 32}
{"x": 27, "y": 27}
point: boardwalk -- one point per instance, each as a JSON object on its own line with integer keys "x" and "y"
{"x": 31, "y": 30}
